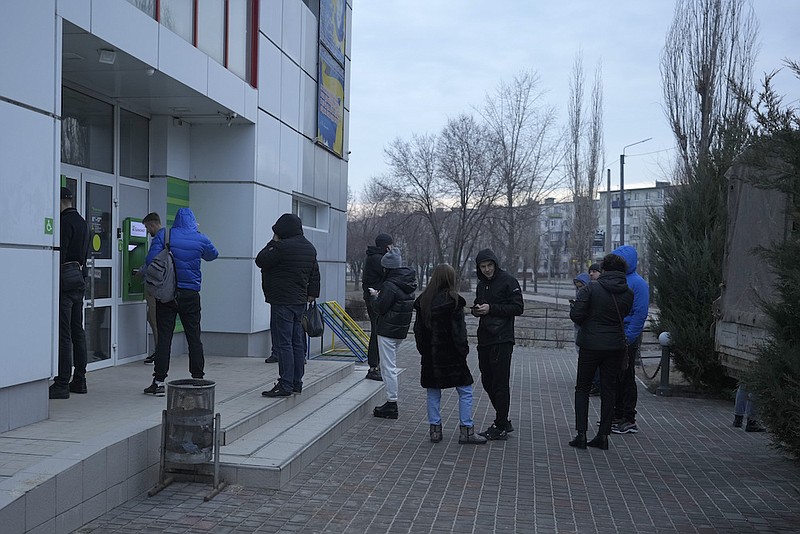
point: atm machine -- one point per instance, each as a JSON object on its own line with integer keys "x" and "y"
{"x": 134, "y": 251}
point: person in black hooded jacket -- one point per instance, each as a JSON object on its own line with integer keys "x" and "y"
{"x": 290, "y": 280}
{"x": 498, "y": 299}
{"x": 441, "y": 336}
{"x": 394, "y": 304}
{"x": 599, "y": 309}
{"x": 372, "y": 277}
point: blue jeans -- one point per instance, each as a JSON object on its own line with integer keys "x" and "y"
{"x": 464, "y": 405}
{"x": 289, "y": 344}
{"x": 745, "y": 405}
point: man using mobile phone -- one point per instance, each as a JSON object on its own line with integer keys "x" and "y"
{"x": 498, "y": 300}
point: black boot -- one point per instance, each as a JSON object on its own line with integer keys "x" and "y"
{"x": 387, "y": 411}
{"x": 599, "y": 442}
{"x": 468, "y": 436}
{"x": 580, "y": 440}
{"x": 436, "y": 433}
{"x": 754, "y": 426}
{"x": 737, "y": 421}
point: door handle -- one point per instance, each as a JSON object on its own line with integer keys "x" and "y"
{"x": 90, "y": 262}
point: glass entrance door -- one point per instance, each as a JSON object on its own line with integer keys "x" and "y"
{"x": 94, "y": 194}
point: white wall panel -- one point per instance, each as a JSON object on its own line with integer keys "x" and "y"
{"x": 225, "y": 87}
{"x": 309, "y": 42}
{"x": 291, "y": 32}
{"x": 348, "y": 25}
{"x": 178, "y": 150}
{"x": 27, "y": 159}
{"x": 128, "y": 28}
{"x": 271, "y": 15}
{"x": 290, "y": 93}
{"x": 250, "y": 103}
{"x": 346, "y": 83}
{"x": 78, "y": 12}
{"x": 223, "y": 153}
{"x": 182, "y": 61}
{"x": 335, "y": 182}
{"x": 226, "y": 213}
{"x": 227, "y": 294}
{"x": 269, "y": 77}
{"x": 28, "y": 57}
{"x": 289, "y": 160}
{"x": 308, "y": 179}
{"x": 27, "y": 309}
{"x": 268, "y": 149}
{"x": 308, "y": 106}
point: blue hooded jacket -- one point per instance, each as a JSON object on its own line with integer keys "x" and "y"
{"x": 634, "y": 321}
{"x": 188, "y": 247}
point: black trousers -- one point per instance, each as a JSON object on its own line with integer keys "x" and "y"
{"x": 187, "y": 306}
{"x": 71, "y": 337}
{"x": 609, "y": 362}
{"x": 494, "y": 361}
{"x": 627, "y": 393}
{"x": 373, "y": 359}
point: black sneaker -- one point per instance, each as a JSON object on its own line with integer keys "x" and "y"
{"x": 150, "y": 360}
{"x": 754, "y": 426}
{"x": 628, "y": 427}
{"x": 59, "y": 392}
{"x": 78, "y": 386}
{"x": 494, "y": 434}
{"x": 737, "y": 421}
{"x": 386, "y": 411}
{"x": 276, "y": 391}
{"x": 595, "y": 391}
{"x": 374, "y": 374}
{"x": 271, "y": 359}
{"x": 156, "y": 388}
{"x": 509, "y": 427}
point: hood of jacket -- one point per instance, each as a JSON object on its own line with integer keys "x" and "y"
{"x": 288, "y": 225}
{"x": 613, "y": 281}
{"x": 443, "y": 305}
{"x": 404, "y": 278}
{"x": 583, "y": 277}
{"x": 373, "y": 250}
{"x": 484, "y": 255}
{"x": 185, "y": 219}
{"x": 628, "y": 253}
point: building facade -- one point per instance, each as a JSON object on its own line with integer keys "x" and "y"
{"x": 555, "y": 225}
{"x": 236, "y": 109}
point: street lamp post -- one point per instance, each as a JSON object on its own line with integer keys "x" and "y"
{"x": 622, "y": 190}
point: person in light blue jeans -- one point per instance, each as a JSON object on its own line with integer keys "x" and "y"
{"x": 746, "y": 406}
{"x": 441, "y": 336}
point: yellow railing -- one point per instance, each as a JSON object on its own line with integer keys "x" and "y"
{"x": 346, "y": 329}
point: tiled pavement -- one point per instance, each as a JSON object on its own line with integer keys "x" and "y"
{"x": 687, "y": 470}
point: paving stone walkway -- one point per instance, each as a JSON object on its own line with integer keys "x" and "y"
{"x": 687, "y": 470}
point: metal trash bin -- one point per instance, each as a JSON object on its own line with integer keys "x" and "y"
{"x": 189, "y": 436}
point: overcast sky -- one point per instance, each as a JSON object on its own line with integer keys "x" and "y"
{"x": 415, "y": 63}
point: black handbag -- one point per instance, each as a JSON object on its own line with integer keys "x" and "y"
{"x": 72, "y": 278}
{"x": 312, "y": 321}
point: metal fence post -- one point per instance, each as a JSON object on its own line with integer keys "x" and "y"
{"x": 663, "y": 388}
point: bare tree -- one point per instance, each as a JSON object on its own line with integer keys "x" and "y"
{"x": 450, "y": 181}
{"x": 522, "y": 129}
{"x": 584, "y": 161}
{"x": 709, "y": 47}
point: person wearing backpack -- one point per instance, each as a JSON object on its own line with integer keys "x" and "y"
{"x": 188, "y": 247}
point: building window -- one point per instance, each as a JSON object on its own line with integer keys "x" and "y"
{"x": 146, "y": 6}
{"x": 211, "y": 29}
{"x": 178, "y": 16}
{"x": 87, "y": 131}
{"x": 240, "y": 38}
{"x": 313, "y": 214}
{"x": 134, "y": 146}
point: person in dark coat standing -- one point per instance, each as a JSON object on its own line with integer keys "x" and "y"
{"x": 71, "y": 335}
{"x": 394, "y": 304}
{"x": 441, "y": 336}
{"x": 599, "y": 309}
{"x": 372, "y": 277}
{"x": 498, "y": 299}
{"x": 290, "y": 280}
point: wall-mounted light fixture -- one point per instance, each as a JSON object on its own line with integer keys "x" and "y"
{"x": 107, "y": 56}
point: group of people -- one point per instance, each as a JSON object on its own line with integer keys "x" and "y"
{"x": 441, "y": 335}
{"x": 609, "y": 311}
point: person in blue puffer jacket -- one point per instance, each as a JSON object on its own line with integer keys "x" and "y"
{"x": 188, "y": 247}
{"x": 624, "y": 421}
